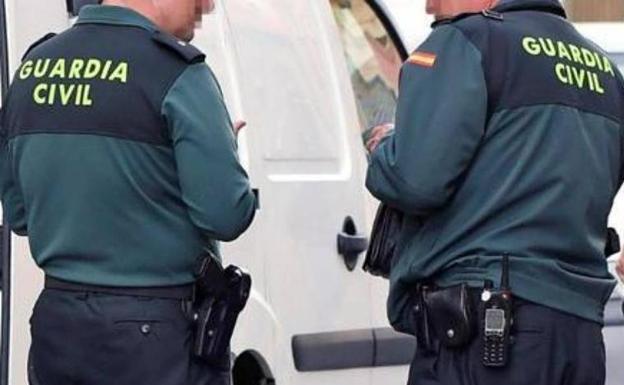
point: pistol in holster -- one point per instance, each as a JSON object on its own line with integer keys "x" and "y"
{"x": 220, "y": 296}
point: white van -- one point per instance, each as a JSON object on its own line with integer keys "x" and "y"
{"x": 308, "y": 76}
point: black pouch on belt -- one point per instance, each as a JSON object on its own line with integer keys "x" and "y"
{"x": 420, "y": 320}
{"x": 451, "y": 315}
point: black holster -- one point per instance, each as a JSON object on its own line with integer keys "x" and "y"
{"x": 220, "y": 296}
{"x": 446, "y": 315}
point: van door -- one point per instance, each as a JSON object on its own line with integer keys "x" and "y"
{"x": 373, "y": 55}
{"x": 308, "y": 162}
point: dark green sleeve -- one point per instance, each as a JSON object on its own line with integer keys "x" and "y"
{"x": 12, "y": 199}
{"x": 214, "y": 185}
{"x": 441, "y": 117}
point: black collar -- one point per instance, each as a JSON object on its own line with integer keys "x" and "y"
{"x": 548, "y": 6}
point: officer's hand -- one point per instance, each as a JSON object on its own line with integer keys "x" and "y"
{"x": 238, "y": 126}
{"x": 377, "y": 134}
{"x": 620, "y": 267}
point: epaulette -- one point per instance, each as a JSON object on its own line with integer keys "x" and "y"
{"x": 487, "y": 13}
{"x": 187, "y": 51}
{"x": 37, "y": 43}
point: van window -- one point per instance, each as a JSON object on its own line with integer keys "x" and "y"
{"x": 595, "y": 10}
{"x": 373, "y": 60}
{"x": 285, "y": 72}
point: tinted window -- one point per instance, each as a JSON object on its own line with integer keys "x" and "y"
{"x": 373, "y": 60}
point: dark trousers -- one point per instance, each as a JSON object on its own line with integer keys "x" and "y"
{"x": 549, "y": 348}
{"x": 83, "y": 338}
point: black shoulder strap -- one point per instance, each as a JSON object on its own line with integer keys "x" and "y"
{"x": 187, "y": 51}
{"x": 37, "y": 43}
{"x": 488, "y": 13}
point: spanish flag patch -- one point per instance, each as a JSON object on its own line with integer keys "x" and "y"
{"x": 423, "y": 59}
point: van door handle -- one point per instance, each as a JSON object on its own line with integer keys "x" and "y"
{"x": 351, "y": 243}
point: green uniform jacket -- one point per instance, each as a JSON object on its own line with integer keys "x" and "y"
{"x": 118, "y": 156}
{"x": 509, "y": 140}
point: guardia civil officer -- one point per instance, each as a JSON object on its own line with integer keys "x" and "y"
{"x": 119, "y": 162}
{"x": 508, "y": 143}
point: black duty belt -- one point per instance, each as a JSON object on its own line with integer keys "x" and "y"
{"x": 165, "y": 292}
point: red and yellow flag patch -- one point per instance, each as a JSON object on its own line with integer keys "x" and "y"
{"x": 423, "y": 59}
